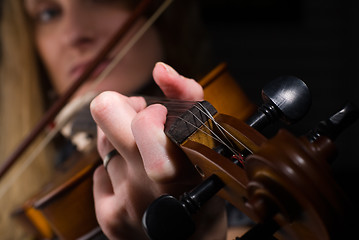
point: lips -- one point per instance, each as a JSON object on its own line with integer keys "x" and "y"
{"x": 78, "y": 70}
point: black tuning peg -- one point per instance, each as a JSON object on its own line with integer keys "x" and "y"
{"x": 169, "y": 218}
{"x": 286, "y": 98}
{"x": 262, "y": 231}
{"x": 336, "y": 123}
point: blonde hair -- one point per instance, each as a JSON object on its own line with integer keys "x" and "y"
{"x": 21, "y": 106}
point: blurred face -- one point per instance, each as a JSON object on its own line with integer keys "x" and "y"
{"x": 70, "y": 33}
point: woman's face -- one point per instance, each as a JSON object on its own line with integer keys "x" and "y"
{"x": 70, "y": 33}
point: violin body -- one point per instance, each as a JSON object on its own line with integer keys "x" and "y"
{"x": 64, "y": 208}
{"x": 69, "y": 207}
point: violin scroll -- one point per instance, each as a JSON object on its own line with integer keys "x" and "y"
{"x": 159, "y": 215}
{"x": 290, "y": 181}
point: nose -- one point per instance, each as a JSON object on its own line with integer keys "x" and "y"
{"x": 77, "y": 30}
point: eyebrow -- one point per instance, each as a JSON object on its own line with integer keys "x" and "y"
{"x": 32, "y": 2}
{"x": 29, "y": 5}
{"x": 26, "y": 2}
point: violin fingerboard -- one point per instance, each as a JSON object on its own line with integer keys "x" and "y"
{"x": 180, "y": 128}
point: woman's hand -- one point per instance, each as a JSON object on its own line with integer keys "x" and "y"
{"x": 148, "y": 164}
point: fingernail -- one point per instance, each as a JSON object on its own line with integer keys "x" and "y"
{"x": 168, "y": 68}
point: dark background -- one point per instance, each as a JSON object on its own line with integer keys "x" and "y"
{"x": 317, "y": 41}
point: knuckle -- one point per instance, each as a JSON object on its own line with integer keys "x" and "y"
{"x": 104, "y": 102}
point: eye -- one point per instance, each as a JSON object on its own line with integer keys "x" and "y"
{"x": 122, "y": 3}
{"x": 47, "y": 14}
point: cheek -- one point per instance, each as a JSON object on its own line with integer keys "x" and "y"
{"x": 48, "y": 53}
{"x": 45, "y": 46}
{"x": 125, "y": 80}
{"x": 135, "y": 69}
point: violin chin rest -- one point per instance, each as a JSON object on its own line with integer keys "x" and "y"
{"x": 167, "y": 218}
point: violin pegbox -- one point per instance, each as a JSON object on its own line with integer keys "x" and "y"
{"x": 217, "y": 145}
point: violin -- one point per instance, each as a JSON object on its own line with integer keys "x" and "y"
{"x": 258, "y": 183}
{"x": 262, "y": 197}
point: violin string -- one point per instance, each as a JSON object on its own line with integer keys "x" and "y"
{"x": 222, "y": 129}
{"x": 219, "y": 127}
{"x": 223, "y": 140}
{"x": 216, "y": 137}
{"x": 52, "y": 133}
{"x": 170, "y": 103}
{"x": 184, "y": 104}
{"x": 212, "y": 135}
